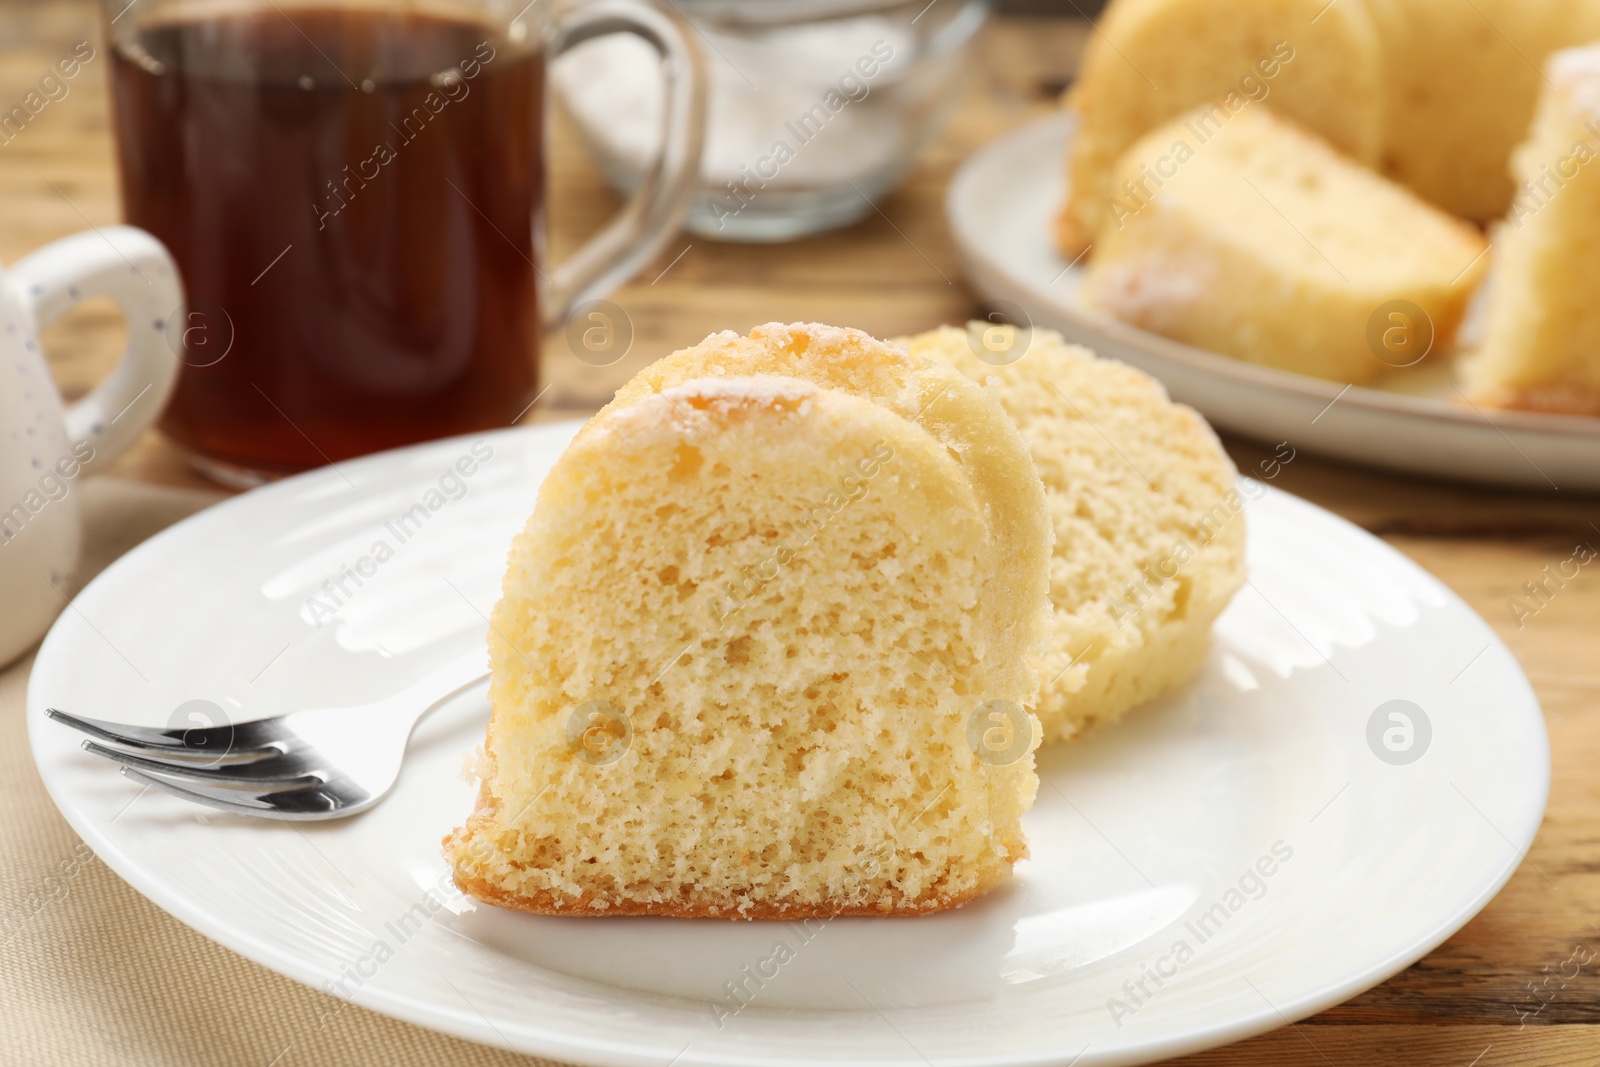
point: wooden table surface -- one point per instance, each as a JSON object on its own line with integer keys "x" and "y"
{"x": 1473, "y": 1000}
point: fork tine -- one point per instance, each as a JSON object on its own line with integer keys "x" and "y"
{"x": 279, "y": 770}
{"x": 295, "y": 804}
{"x": 241, "y": 740}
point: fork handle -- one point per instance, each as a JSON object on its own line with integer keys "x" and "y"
{"x": 444, "y": 682}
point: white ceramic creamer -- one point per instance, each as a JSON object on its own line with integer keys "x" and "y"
{"x": 46, "y": 448}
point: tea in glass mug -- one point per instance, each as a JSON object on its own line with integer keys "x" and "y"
{"x": 354, "y": 192}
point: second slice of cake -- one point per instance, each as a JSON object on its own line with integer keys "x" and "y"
{"x": 1260, "y": 241}
{"x": 1540, "y": 344}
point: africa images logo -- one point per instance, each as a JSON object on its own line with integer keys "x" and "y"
{"x": 1203, "y": 927}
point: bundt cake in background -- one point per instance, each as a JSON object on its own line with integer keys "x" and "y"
{"x": 1434, "y": 93}
{"x": 1256, "y": 239}
{"x": 1150, "y": 61}
{"x": 1149, "y": 524}
{"x": 1539, "y": 343}
{"x": 762, "y": 649}
{"x": 1461, "y": 84}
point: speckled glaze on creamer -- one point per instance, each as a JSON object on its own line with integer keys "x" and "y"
{"x": 47, "y": 447}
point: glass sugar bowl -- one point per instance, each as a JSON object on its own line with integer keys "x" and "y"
{"x": 816, "y": 108}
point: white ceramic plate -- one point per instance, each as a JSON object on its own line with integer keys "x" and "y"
{"x": 1000, "y": 207}
{"x": 1144, "y": 837}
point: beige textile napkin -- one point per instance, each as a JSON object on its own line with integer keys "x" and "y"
{"x": 91, "y": 973}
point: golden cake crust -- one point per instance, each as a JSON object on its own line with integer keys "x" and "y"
{"x": 1551, "y": 400}
{"x": 693, "y": 905}
{"x": 700, "y": 906}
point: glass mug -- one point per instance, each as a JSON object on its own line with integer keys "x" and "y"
{"x": 353, "y": 191}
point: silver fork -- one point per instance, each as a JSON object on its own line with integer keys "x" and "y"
{"x": 324, "y": 763}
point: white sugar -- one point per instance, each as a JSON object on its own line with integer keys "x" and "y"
{"x": 760, "y": 87}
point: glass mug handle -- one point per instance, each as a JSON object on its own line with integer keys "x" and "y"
{"x": 652, "y": 215}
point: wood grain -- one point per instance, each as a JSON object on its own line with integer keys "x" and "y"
{"x": 1470, "y": 1001}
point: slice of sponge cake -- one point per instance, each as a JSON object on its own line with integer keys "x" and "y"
{"x": 748, "y": 662}
{"x": 1149, "y": 524}
{"x": 1260, "y": 241}
{"x": 1540, "y": 345}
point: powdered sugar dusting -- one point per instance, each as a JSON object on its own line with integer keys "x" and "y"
{"x": 720, "y": 335}
{"x": 1577, "y": 70}
{"x": 667, "y": 413}
{"x": 819, "y": 332}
